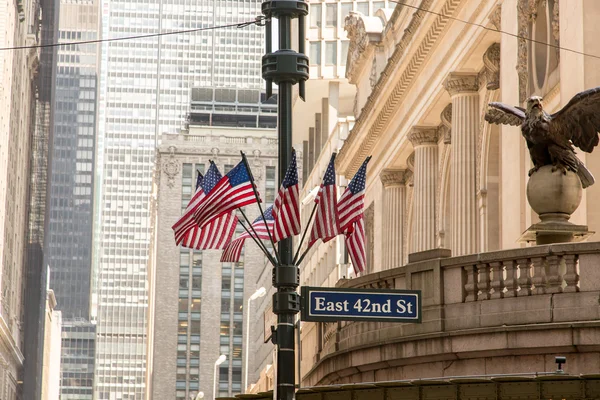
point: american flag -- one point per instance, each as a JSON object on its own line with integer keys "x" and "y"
{"x": 351, "y": 216}
{"x": 286, "y": 209}
{"x": 325, "y": 226}
{"x": 233, "y": 191}
{"x": 233, "y": 250}
{"x": 218, "y": 232}
{"x": 350, "y": 205}
{"x": 355, "y": 244}
{"x": 215, "y": 235}
{"x": 186, "y": 222}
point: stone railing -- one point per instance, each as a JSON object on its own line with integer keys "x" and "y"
{"x": 233, "y": 140}
{"x": 535, "y": 300}
{"x": 520, "y": 272}
{"x": 195, "y": 138}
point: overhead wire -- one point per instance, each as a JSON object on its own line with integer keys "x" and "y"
{"x": 259, "y": 21}
{"x": 495, "y": 30}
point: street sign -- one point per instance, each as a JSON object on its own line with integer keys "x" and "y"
{"x": 335, "y": 304}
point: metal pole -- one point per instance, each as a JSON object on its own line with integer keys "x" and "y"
{"x": 215, "y": 382}
{"x": 247, "y": 347}
{"x": 285, "y": 67}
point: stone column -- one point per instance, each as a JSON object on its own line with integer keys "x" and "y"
{"x": 424, "y": 141}
{"x": 394, "y": 195}
{"x": 463, "y": 89}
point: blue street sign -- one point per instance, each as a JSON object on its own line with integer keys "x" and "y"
{"x": 335, "y": 304}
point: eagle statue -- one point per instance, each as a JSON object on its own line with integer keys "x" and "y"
{"x": 551, "y": 137}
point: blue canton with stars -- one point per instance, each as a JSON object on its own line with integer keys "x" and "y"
{"x": 238, "y": 175}
{"x": 291, "y": 175}
{"x": 212, "y": 177}
{"x": 268, "y": 215}
{"x": 199, "y": 180}
{"x": 329, "y": 178}
{"x": 357, "y": 184}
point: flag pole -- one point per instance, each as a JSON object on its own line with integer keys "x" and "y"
{"x": 256, "y": 238}
{"x": 304, "y": 255}
{"x": 311, "y": 217}
{"x": 312, "y": 214}
{"x": 258, "y": 202}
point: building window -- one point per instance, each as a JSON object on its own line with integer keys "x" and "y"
{"x": 330, "y": 53}
{"x": 363, "y": 8}
{"x": 378, "y": 5}
{"x": 270, "y": 180}
{"x": 345, "y": 9}
{"x": 315, "y": 53}
{"x": 331, "y": 15}
{"x": 315, "y": 16}
{"x": 344, "y": 52}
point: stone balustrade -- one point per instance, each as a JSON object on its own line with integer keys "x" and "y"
{"x": 480, "y": 312}
{"x": 520, "y": 272}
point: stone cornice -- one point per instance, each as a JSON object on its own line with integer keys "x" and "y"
{"x": 392, "y": 177}
{"x": 423, "y": 135}
{"x": 460, "y": 82}
{"x": 360, "y": 144}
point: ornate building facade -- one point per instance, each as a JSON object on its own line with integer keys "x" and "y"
{"x": 19, "y": 26}
{"x": 445, "y": 203}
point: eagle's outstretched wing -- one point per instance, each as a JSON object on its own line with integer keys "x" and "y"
{"x": 579, "y": 120}
{"x": 503, "y": 114}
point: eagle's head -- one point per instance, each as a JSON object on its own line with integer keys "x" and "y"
{"x": 534, "y": 106}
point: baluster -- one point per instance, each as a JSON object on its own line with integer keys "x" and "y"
{"x": 539, "y": 275}
{"x": 571, "y": 276}
{"x": 524, "y": 277}
{"x": 497, "y": 281}
{"x": 484, "y": 282}
{"x": 553, "y": 278}
{"x": 511, "y": 278}
{"x": 471, "y": 283}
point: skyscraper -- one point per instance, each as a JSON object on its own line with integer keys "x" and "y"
{"x": 146, "y": 92}
{"x": 71, "y": 206}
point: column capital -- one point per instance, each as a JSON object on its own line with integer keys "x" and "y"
{"x": 423, "y": 135}
{"x": 461, "y": 82}
{"x": 392, "y": 177}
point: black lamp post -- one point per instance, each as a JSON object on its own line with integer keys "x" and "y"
{"x": 285, "y": 67}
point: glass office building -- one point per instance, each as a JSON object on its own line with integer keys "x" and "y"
{"x": 71, "y": 207}
{"x": 146, "y": 89}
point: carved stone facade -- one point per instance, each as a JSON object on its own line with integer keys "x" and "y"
{"x": 528, "y": 13}
{"x": 491, "y": 61}
{"x": 458, "y": 83}
{"x": 444, "y": 182}
{"x": 446, "y": 125}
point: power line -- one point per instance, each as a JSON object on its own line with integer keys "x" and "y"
{"x": 496, "y": 30}
{"x": 259, "y": 21}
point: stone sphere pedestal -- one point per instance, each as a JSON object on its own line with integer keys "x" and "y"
{"x": 554, "y": 196}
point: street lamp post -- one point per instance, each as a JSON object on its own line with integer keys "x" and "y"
{"x": 285, "y": 67}
{"x": 259, "y": 293}
{"x": 219, "y": 361}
